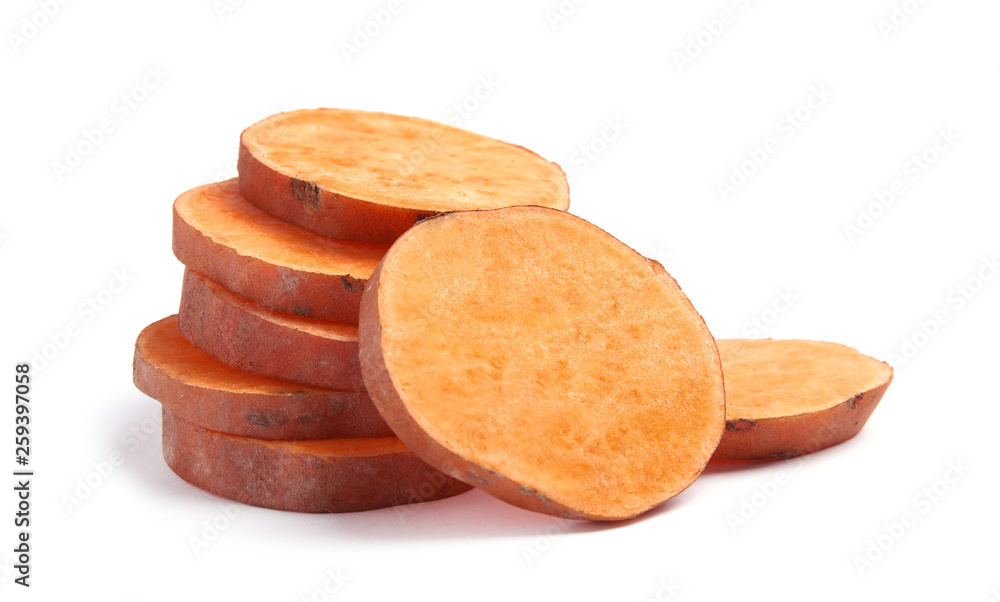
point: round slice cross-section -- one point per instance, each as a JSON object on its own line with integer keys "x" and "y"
{"x": 359, "y": 175}
{"x": 530, "y": 353}
{"x": 787, "y": 397}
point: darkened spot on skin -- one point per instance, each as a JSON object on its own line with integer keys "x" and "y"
{"x": 422, "y": 216}
{"x": 306, "y": 193}
{"x": 853, "y": 402}
{"x": 301, "y": 311}
{"x": 471, "y": 476}
{"x": 776, "y": 456}
{"x": 784, "y": 454}
{"x": 352, "y": 284}
{"x": 740, "y": 425}
{"x": 264, "y": 420}
{"x": 545, "y": 501}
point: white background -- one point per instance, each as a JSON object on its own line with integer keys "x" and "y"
{"x": 687, "y": 125}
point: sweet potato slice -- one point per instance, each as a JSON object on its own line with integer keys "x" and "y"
{"x": 244, "y": 335}
{"x": 279, "y": 265}
{"x": 190, "y": 383}
{"x": 358, "y": 175}
{"x": 325, "y": 475}
{"x": 528, "y": 352}
{"x": 786, "y": 398}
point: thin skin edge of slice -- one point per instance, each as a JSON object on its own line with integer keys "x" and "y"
{"x": 274, "y": 287}
{"x": 383, "y": 389}
{"x": 785, "y": 436}
{"x": 355, "y": 219}
{"x": 253, "y": 343}
{"x": 296, "y": 480}
{"x": 275, "y": 418}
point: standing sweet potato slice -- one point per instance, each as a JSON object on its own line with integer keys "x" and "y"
{"x": 279, "y": 265}
{"x": 244, "y": 335}
{"x": 530, "y": 353}
{"x": 786, "y": 398}
{"x": 358, "y": 175}
{"x": 190, "y": 383}
{"x": 326, "y": 475}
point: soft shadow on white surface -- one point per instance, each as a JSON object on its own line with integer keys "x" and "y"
{"x": 471, "y": 515}
{"x": 144, "y": 464}
{"x": 717, "y": 467}
{"x": 475, "y": 514}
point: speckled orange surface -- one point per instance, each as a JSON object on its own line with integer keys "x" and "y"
{"x": 530, "y": 353}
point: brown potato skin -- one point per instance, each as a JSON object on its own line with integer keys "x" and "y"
{"x": 310, "y": 294}
{"x": 791, "y": 436}
{"x": 293, "y": 415}
{"x": 322, "y": 211}
{"x": 253, "y": 344}
{"x": 393, "y": 410}
{"x": 259, "y": 475}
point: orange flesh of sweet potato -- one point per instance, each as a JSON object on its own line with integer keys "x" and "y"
{"x": 328, "y": 475}
{"x": 283, "y": 267}
{"x": 530, "y": 353}
{"x": 358, "y": 175}
{"x": 786, "y": 398}
{"x": 244, "y": 335}
{"x": 213, "y": 395}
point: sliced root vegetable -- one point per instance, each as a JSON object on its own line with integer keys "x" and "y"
{"x": 358, "y": 175}
{"x": 244, "y": 335}
{"x": 532, "y": 354}
{"x": 326, "y": 475}
{"x": 786, "y": 398}
{"x": 192, "y": 384}
{"x": 277, "y": 264}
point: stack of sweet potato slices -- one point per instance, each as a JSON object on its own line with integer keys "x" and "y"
{"x": 385, "y": 310}
{"x": 259, "y": 374}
